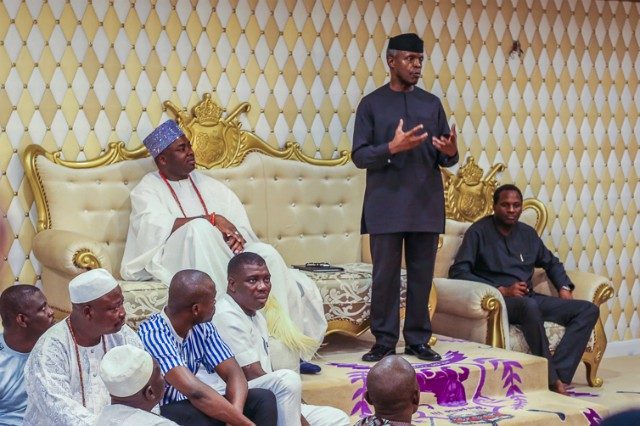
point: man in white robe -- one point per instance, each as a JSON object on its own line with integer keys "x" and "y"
{"x": 244, "y": 330}
{"x": 182, "y": 219}
{"x": 62, "y": 373}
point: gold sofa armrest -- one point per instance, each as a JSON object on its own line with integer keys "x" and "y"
{"x": 590, "y": 286}
{"x": 69, "y": 253}
{"x": 471, "y": 311}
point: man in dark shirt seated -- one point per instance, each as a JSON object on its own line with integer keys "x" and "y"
{"x": 502, "y": 252}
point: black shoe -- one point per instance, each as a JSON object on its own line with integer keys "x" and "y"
{"x": 309, "y": 368}
{"x": 423, "y": 352}
{"x": 378, "y": 352}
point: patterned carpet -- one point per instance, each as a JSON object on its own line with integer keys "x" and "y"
{"x": 621, "y": 388}
{"x": 472, "y": 384}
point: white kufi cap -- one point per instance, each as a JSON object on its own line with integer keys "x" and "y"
{"x": 91, "y": 285}
{"x": 125, "y": 370}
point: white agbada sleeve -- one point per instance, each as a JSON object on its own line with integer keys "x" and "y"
{"x": 48, "y": 382}
{"x": 150, "y": 225}
{"x": 223, "y": 201}
{"x": 52, "y": 383}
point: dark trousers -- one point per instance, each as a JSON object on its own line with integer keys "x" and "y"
{"x": 386, "y": 252}
{"x": 577, "y": 316}
{"x": 260, "y": 408}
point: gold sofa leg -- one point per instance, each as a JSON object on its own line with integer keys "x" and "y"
{"x": 592, "y": 356}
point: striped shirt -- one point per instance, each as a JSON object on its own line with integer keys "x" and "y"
{"x": 202, "y": 345}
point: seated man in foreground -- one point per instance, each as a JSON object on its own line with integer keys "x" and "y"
{"x": 244, "y": 329}
{"x": 62, "y": 373}
{"x": 25, "y": 316}
{"x": 502, "y": 252}
{"x": 182, "y": 219}
{"x": 136, "y": 386}
{"x": 392, "y": 389}
{"x": 181, "y": 338}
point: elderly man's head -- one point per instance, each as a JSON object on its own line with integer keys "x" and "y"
{"x": 192, "y": 294}
{"x": 171, "y": 150}
{"x": 97, "y": 301}
{"x": 25, "y": 310}
{"x": 132, "y": 377}
{"x": 392, "y": 389}
{"x": 248, "y": 281}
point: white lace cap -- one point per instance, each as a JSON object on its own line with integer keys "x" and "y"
{"x": 91, "y": 285}
{"x": 125, "y": 370}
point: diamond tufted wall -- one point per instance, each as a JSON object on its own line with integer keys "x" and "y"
{"x": 563, "y": 115}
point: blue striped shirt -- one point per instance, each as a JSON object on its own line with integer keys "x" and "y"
{"x": 203, "y": 345}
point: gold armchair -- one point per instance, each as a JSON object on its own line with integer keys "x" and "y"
{"x": 476, "y": 311}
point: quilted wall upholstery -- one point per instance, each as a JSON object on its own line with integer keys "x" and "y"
{"x": 563, "y": 116}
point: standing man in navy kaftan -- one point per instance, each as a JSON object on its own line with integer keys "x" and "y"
{"x": 402, "y": 138}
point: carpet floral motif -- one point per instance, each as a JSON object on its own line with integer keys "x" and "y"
{"x": 455, "y": 402}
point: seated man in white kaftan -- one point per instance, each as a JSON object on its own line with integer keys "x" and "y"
{"x": 244, "y": 329}
{"x": 182, "y": 219}
{"x": 62, "y": 377}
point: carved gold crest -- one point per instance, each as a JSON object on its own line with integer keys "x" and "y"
{"x": 468, "y": 196}
{"x": 220, "y": 142}
{"x": 215, "y": 140}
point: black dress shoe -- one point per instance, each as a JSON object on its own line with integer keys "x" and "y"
{"x": 378, "y": 352}
{"x": 423, "y": 352}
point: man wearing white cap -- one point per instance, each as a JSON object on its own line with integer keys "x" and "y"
{"x": 182, "y": 219}
{"x": 136, "y": 386}
{"x": 62, "y": 373}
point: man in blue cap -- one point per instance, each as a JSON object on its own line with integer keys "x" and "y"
{"x": 183, "y": 219}
{"x": 402, "y": 138}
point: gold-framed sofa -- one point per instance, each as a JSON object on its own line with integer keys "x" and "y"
{"x": 307, "y": 208}
{"x": 476, "y": 311}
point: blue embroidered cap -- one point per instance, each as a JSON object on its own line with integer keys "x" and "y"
{"x": 162, "y": 137}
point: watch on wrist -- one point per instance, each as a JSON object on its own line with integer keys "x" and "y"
{"x": 565, "y": 287}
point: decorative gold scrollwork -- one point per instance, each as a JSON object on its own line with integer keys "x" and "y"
{"x": 467, "y": 194}
{"x": 85, "y": 259}
{"x": 220, "y": 142}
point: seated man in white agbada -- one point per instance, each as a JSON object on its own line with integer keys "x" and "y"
{"x": 244, "y": 329}
{"x": 182, "y": 219}
{"x": 62, "y": 377}
{"x": 135, "y": 384}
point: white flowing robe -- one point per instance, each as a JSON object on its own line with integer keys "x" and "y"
{"x": 54, "y": 393}
{"x": 152, "y": 251}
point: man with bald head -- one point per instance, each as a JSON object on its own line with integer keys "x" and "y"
{"x": 63, "y": 381}
{"x": 183, "y": 219}
{"x": 181, "y": 338}
{"x": 393, "y": 391}
{"x": 25, "y": 316}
